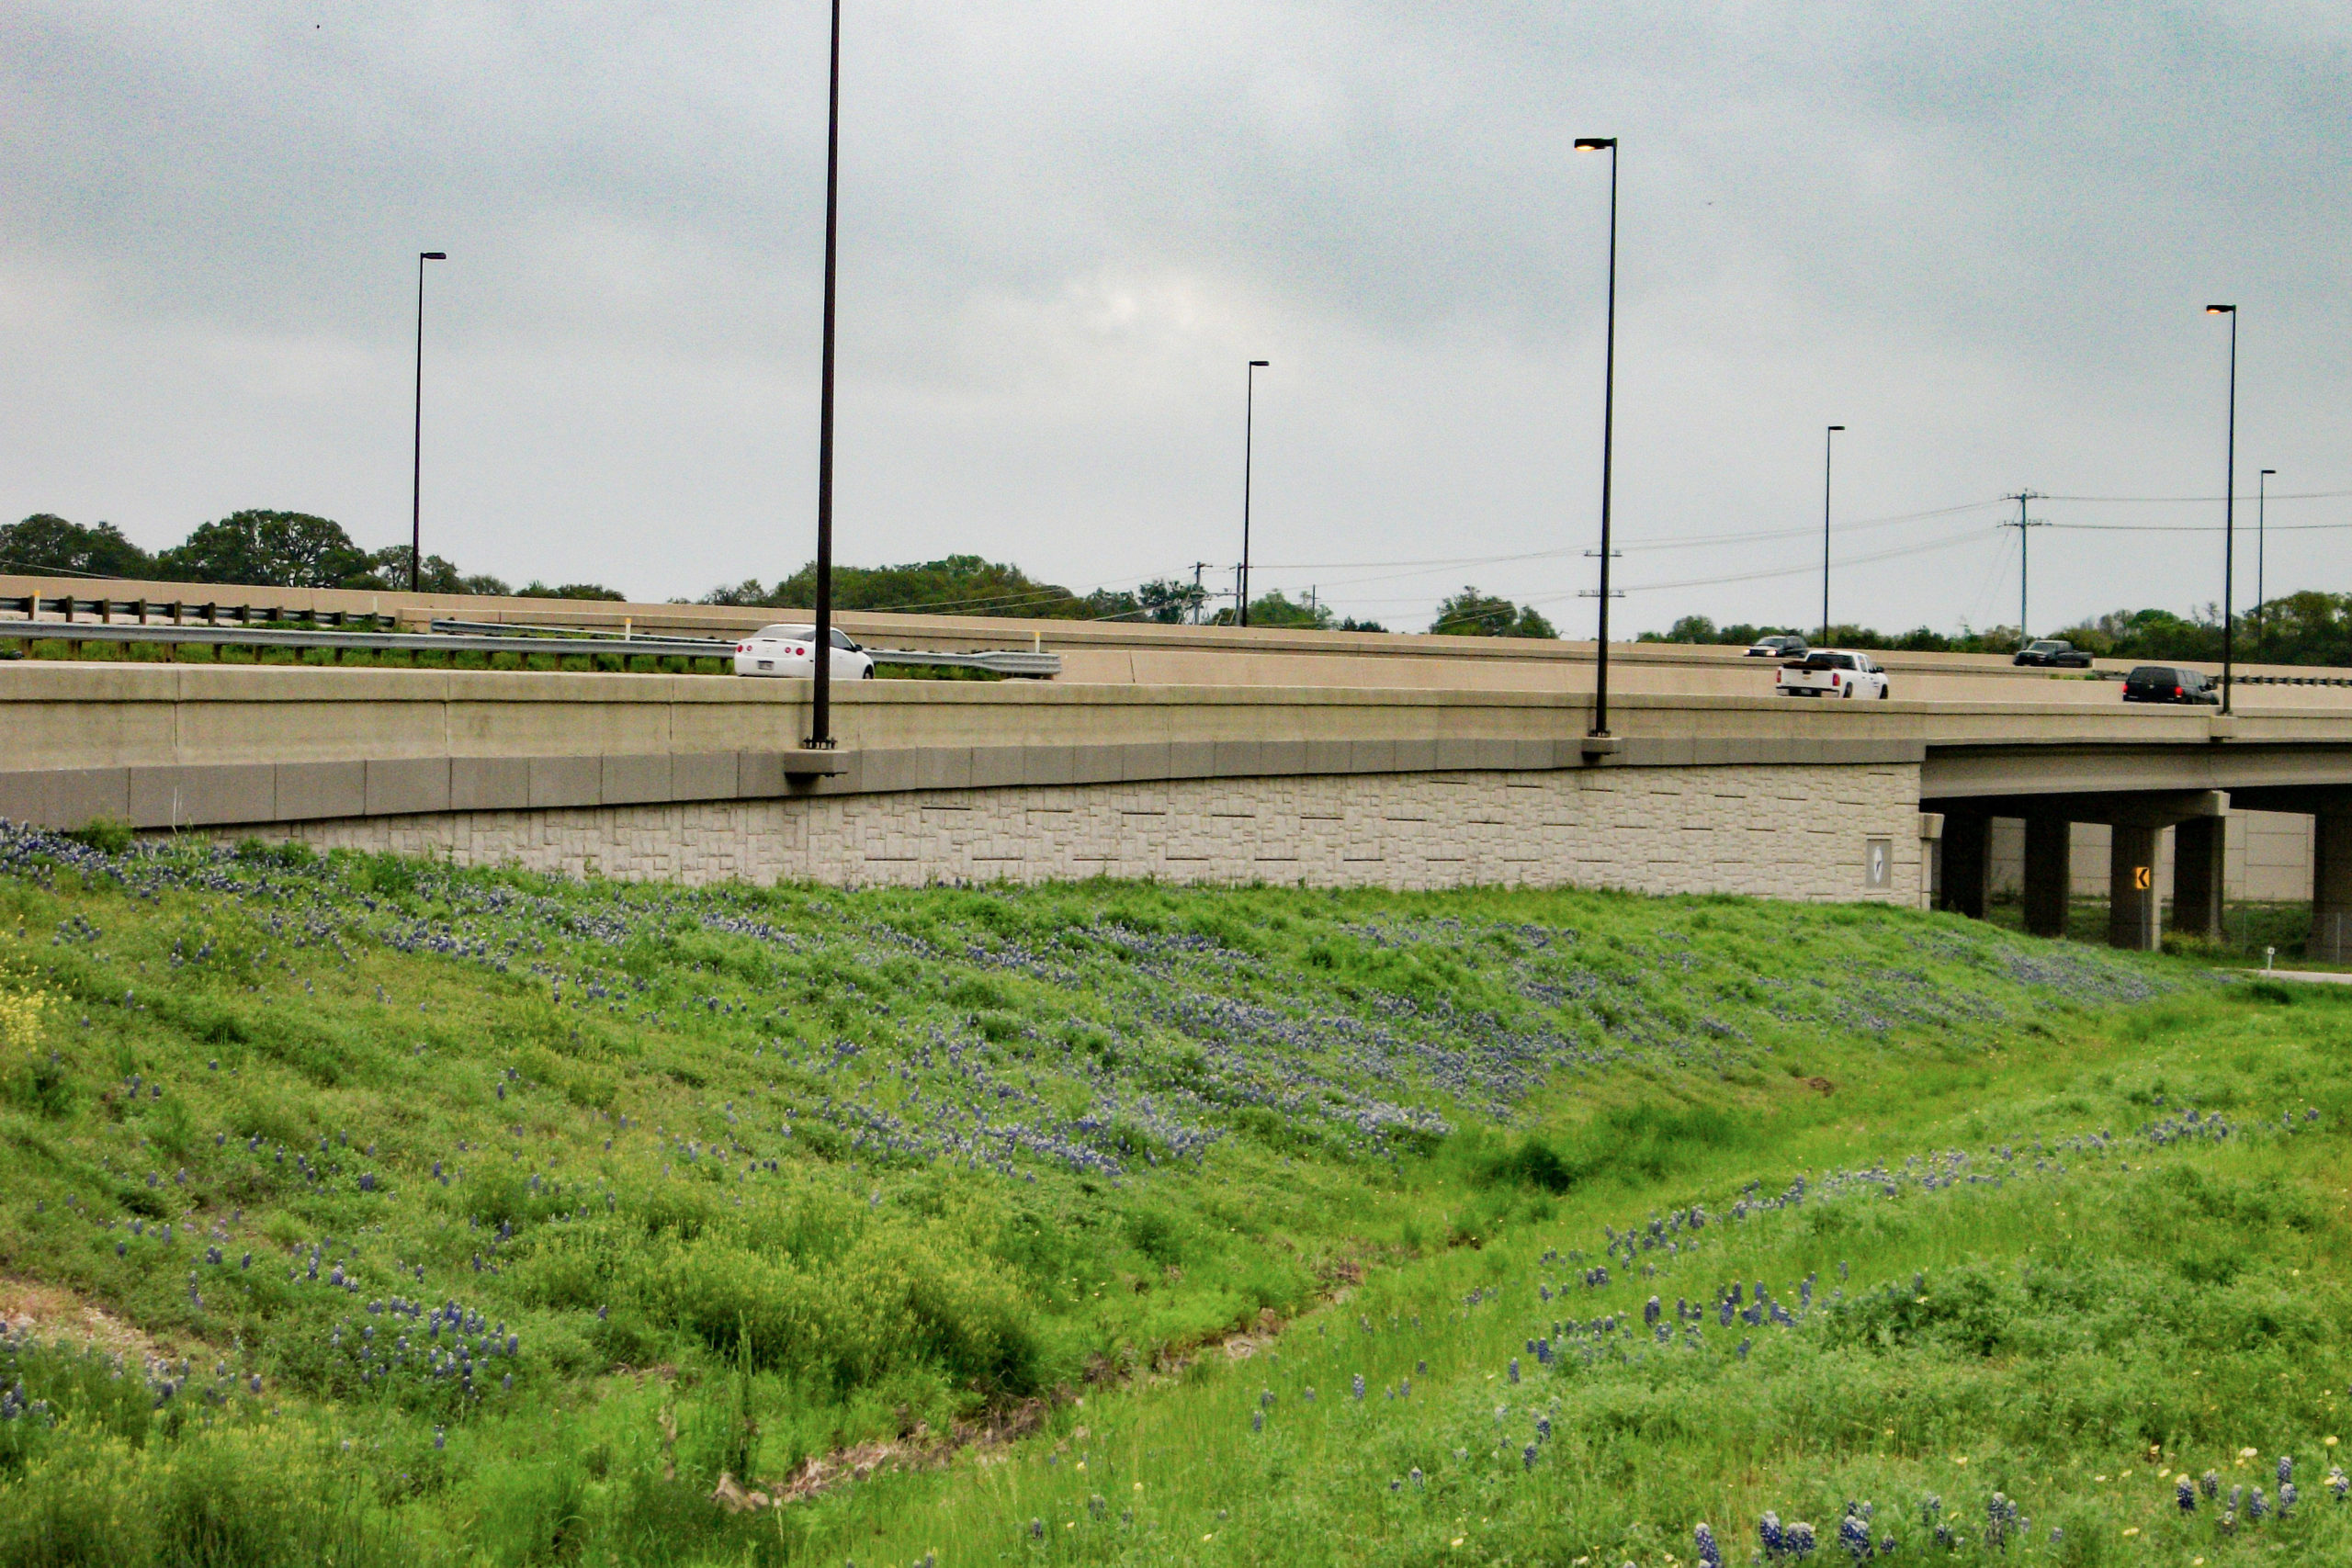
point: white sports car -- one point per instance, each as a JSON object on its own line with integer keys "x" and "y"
{"x": 790, "y": 652}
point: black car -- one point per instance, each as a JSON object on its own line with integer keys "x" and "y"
{"x": 2166, "y": 684}
{"x": 1778, "y": 647}
{"x": 2053, "y": 653}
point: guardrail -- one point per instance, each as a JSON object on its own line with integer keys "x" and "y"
{"x": 446, "y": 636}
{"x": 1035, "y": 665}
{"x": 33, "y": 607}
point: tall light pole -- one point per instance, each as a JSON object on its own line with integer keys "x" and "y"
{"x": 1608, "y": 435}
{"x": 1248, "y": 438}
{"x": 416, "y": 452}
{"x": 2229, "y": 507}
{"x": 820, "y": 704}
{"x": 2261, "y": 516}
{"x": 1827, "y": 448}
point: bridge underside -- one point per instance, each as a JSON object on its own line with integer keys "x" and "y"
{"x": 2136, "y": 820}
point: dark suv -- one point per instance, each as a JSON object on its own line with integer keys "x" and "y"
{"x": 2164, "y": 684}
{"x": 2053, "y": 653}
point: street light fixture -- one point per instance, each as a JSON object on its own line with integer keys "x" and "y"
{"x": 1828, "y": 437}
{"x": 2261, "y": 601}
{"x": 821, "y": 702}
{"x": 2229, "y": 507}
{"x": 1608, "y": 435}
{"x": 417, "y": 453}
{"x": 1248, "y": 437}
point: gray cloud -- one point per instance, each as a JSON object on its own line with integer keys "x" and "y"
{"x": 1979, "y": 236}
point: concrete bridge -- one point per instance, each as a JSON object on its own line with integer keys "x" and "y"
{"x": 1207, "y": 754}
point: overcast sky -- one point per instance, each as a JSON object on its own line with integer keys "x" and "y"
{"x": 1980, "y": 236}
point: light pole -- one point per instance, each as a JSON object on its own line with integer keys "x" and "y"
{"x": 416, "y": 451}
{"x": 2261, "y": 516}
{"x": 1827, "y": 439}
{"x": 1248, "y": 437}
{"x": 2229, "y": 506}
{"x": 1608, "y": 435}
{"x": 821, "y": 704}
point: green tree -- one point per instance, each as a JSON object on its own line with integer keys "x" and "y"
{"x": 47, "y": 543}
{"x": 269, "y": 550}
{"x": 1171, "y": 601}
{"x": 1276, "y": 609}
{"x": 535, "y": 589}
{"x": 953, "y": 585}
{"x": 1473, "y": 614}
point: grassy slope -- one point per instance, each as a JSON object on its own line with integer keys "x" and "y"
{"x": 1043, "y": 1137}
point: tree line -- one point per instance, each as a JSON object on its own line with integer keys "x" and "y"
{"x": 256, "y": 549}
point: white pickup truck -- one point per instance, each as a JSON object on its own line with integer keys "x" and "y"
{"x": 1832, "y": 673}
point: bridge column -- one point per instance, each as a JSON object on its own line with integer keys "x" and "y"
{"x": 2331, "y": 938}
{"x": 2049, "y": 873}
{"x": 2131, "y": 907}
{"x": 2197, "y": 864}
{"x": 1968, "y": 864}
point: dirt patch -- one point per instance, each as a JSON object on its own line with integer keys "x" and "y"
{"x": 1820, "y": 1085}
{"x": 924, "y": 1449}
{"x": 28, "y": 1307}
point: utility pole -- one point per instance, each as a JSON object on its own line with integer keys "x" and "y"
{"x": 1200, "y": 596}
{"x": 2021, "y": 526}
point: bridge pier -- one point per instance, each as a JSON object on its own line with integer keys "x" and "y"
{"x": 1967, "y": 863}
{"x": 2198, "y": 867}
{"x": 2134, "y": 917}
{"x": 2331, "y": 938}
{"x": 2049, "y": 873}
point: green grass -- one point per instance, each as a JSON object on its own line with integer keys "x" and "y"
{"x": 1032, "y": 1197}
{"x": 2253, "y": 933}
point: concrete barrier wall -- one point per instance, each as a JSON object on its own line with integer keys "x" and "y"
{"x": 1790, "y": 832}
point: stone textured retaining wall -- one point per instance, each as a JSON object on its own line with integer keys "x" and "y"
{"x": 1787, "y": 831}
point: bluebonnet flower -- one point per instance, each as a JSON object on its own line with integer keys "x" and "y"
{"x": 2257, "y": 1507}
{"x": 1266, "y": 1398}
{"x": 1801, "y": 1540}
{"x": 2286, "y": 1497}
{"x": 2185, "y": 1493}
{"x": 1855, "y": 1536}
{"x": 1257, "y": 1420}
{"x": 1710, "y": 1555}
{"x": 1768, "y": 1530}
{"x": 1527, "y": 1456}
{"x": 2286, "y": 1469}
{"x": 2237, "y": 1499}
{"x": 1414, "y": 1476}
{"x": 1743, "y": 1350}
{"x": 1543, "y": 1429}
{"x": 1651, "y": 1311}
{"x": 1037, "y": 1529}
{"x": 1359, "y": 1383}
{"x": 440, "y": 1438}
{"x": 1514, "y": 1368}
{"x": 2339, "y": 1483}
{"x": 2211, "y": 1484}
{"x": 2000, "y": 1522}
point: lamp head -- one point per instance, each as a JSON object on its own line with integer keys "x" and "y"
{"x": 432, "y": 255}
{"x": 1259, "y": 364}
{"x": 1836, "y": 427}
{"x": 1595, "y": 143}
{"x": 2268, "y": 472}
{"x": 2221, "y": 309}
